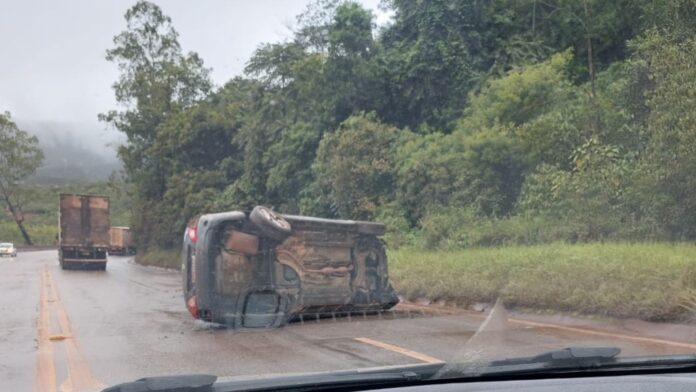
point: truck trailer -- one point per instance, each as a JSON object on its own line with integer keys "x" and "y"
{"x": 121, "y": 241}
{"x": 84, "y": 236}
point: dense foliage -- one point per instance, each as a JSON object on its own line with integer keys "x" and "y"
{"x": 460, "y": 123}
{"x": 39, "y": 209}
{"x": 20, "y": 156}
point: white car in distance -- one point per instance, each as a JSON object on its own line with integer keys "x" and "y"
{"x": 8, "y": 249}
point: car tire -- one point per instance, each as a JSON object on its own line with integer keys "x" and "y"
{"x": 270, "y": 224}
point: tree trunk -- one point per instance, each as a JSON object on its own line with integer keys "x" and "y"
{"x": 590, "y": 62}
{"x": 534, "y": 17}
{"x": 18, "y": 218}
{"x": 594, "y": 120}
{"x": 25, "y": 234}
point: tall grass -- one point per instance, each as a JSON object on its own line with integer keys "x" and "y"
{"x": 41, "y": 211}
{"x": 41, "y": 233}
{"x": 167, "y": 258}
{"x": 645, "y": 280}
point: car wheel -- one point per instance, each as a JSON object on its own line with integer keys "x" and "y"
{"x": 270, "y": 224}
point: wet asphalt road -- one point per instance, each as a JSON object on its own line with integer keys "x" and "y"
{"x": 84, "y": 330}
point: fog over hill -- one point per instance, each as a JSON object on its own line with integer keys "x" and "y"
{"x": 74, "y": 151}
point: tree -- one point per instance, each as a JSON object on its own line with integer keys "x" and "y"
{"x": 482, "y": 172}
{"x": 20, "y": 156}
{"x": 432, "y": 55}
{"x": 354, "y": 166}
{"x": 671, "y": 158}
{"x": 351, "y": 72}
{"x": 157, "y": 82}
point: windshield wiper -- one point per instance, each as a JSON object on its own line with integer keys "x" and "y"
{"x": 567, "y": 360}
{"x": 564, "y": 361}
{"x": 315, "y": 382}
{"x": 573, "y": 356}
{"x": 183, "y": 383}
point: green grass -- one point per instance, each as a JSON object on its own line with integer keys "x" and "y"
{"x": 41, "y": 233}
{"x": 652, "y": 281}
{"x": 167, "y": 258}
{"x": 41, "y": 210}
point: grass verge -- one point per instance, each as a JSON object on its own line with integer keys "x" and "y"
{"x": 41, "y": 234}
{"x": 167, "y": 258}
{"x": 651, "y": 281}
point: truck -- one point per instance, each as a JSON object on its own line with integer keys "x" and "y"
{"x": 84, "y": 231}
{"x": 121, "y": 241}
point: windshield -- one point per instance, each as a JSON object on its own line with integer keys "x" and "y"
{"x": 259, "y": 188}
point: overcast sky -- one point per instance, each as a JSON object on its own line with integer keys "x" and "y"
{"x": 52, "y": 66}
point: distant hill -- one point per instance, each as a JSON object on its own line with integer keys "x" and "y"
{"x": 73, "y": 151}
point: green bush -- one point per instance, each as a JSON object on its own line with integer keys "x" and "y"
{"x": 159, "y": 257}
{"x": 399, "y": 231}
{"x": 457, "y": 228}
{"x": 454, "y": 228}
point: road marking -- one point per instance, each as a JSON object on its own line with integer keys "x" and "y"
{"x": 587, "y": 331}
{"x": 606, "y": 334}
{"x": 409, "y": 353}
{"x": 79, "y": 373}
{"x": 80, "y": 376}
{"x": 45, "y": 379}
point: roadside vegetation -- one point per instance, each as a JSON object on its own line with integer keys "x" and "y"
{"x": 459, "y": 124}
{"x": 158, "y": 257}
{"x": 504, "y": 141}
{"x": 20, "y": 156}
{"x": 650, "y": 281}
{"x": 40, "y": 210}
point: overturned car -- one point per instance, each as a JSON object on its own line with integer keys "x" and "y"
{"x": 262, "y": 269}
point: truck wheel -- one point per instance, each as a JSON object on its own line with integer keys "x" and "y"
{"x": 270, "y": 224}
